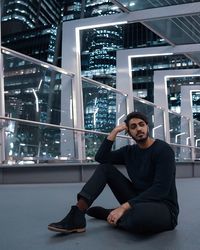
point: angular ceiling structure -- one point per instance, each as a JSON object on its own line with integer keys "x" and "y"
{"x": 176, "y": 30}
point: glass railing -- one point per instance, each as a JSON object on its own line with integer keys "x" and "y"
{"x": 38, "y": 125}
{"x": 37, "y": 92}
{"x": 49, "y": 149}
{"x": 47, "y": 144}
{"x": 40, "y": 141}
{"x": 33, "y": 90}
{"x": 197, "y": 133}
{"x": 182, "y": 153}
{"x": 179, "y": 128}
{"x": 197, "y": 153}
{"x": 180, "y": 137}
{"x": 104, "y": 107}
{"x": 155, "y": 117}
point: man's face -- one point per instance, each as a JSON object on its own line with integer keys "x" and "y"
{"x": 138, "y": 130}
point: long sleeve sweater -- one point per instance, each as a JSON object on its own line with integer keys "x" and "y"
{"x": 151, "y": 170}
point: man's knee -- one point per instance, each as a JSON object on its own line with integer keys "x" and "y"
{"x": 143, "y": 223}
{"x": 132, "y": 223}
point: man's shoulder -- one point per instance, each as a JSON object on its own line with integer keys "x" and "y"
{"x": 162, "y": 145}
{"x": 163, "y": 152}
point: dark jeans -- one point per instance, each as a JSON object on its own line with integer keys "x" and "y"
{"x": 146, "y": 217}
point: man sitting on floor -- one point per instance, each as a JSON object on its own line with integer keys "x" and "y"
{"x": 148, "y": 200}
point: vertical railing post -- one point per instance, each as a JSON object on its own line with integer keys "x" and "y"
{"x": 2, "y": 103}
{"x": 71, "y": 62}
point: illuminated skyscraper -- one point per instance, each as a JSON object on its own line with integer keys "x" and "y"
{"x": 29, "y": 14}
{"x": 32, "y": 28}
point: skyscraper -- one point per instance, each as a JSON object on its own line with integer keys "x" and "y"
{"x": 32, "y": 28}
{"x": 22, "y": 15}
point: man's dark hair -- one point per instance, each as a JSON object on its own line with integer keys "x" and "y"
{"x": 138, "y": 115}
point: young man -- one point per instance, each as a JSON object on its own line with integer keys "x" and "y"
{"x": 148, "y": 200}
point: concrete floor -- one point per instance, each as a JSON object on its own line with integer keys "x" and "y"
{"x": 26, "y": 210}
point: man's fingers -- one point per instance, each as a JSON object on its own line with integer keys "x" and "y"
{"x": 111, "y": 219}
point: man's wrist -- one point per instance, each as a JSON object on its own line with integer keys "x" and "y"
{"x": 112, "y": 136}
{"x": 126, "y": 206}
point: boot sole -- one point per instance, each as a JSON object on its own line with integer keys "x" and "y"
{"x": 60, "y": 230}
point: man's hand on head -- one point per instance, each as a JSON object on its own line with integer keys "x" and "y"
{"x": 119, "y": 128}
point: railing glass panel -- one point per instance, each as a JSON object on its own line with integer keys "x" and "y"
{"x": 182, "y": 153}
{"x": 34, "y": 91}
{"x": 155, "y": 117}
{"x": 43, "y": 148}
{"x": 197, "y": 133}
{"x": 179, "y": 127}
{"x": 38, "y": 92}
{"x": 197, "y": 139}
{"x": 197, "y": 154}
{"x": 39, "y": 142}
{"x": 93, "y": 141}
{"x": 104, "y": 107}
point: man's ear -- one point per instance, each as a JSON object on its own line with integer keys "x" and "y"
{"x": 127, "y": 132}
{"x": 126, "y": 122}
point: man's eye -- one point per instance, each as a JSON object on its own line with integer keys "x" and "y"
{"x": 133, "y": 127}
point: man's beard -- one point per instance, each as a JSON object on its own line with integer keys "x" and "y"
{"x": 141, "y": 140}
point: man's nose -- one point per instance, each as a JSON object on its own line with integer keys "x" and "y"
{"x": 138, "y": 128}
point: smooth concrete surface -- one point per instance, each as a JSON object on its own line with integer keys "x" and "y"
{"x": 26, "y": 210}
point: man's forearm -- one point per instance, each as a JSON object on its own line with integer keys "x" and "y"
{"x": 112, "y": 135}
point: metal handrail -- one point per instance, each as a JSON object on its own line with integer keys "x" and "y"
{"x": 81, "y": 130}
{"x": 102, "y": 85}
{"x": 148, "y": 102}
{"x": 185, "y": 146}
{"x": 36, "y": 61}
{"x": 59, "y": 126}
{"x": 177, "y": 114}
{"x": 96, "y": 83}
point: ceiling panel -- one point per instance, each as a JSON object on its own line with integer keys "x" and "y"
{"x": 178, "y": 30}
{"x": 175, "y": 30}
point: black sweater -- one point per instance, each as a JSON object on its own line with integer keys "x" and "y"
{"x": 151, "y": 170}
